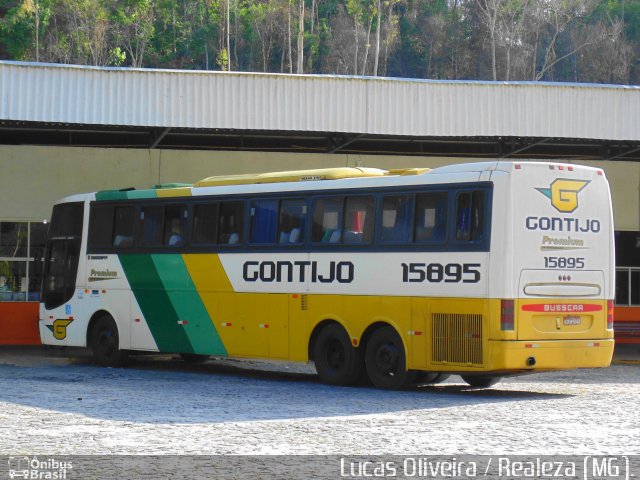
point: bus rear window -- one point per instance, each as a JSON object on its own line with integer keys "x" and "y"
{"x": 470, "y": 208}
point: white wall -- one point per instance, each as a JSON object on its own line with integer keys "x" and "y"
{"x": 33, "y": 177}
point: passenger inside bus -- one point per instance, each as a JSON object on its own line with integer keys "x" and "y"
{"x": 175, "y": 239}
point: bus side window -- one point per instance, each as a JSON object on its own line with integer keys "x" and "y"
{"x": 264, "y": 219}
{"x": 291, "y": 221}
{"x": 327, "y": 220}
{"x": 397, "y": 218}
{"x": 205, "y": 221}
{"x": 431, "y": 217}
{"x": 230, "y": 222}
{"x": 123, "y": 227}
{"x": 175, "y": 225}
{"x": 150, "y": 226}
{"x": 470, "y": 208}
{"x": 101, "y": 226}
{"x": 358, "y": 220}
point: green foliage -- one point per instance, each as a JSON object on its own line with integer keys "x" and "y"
{"x": 117, "y": 57}
{"x": 597, "y": 40}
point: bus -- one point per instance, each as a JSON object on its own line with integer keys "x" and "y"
{"x": 483, "y": 270}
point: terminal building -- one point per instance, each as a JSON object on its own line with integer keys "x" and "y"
{"x": 69, "y": 129}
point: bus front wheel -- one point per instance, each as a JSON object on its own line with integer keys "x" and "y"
{"x": 337, "y": 361}
{"x": 480, "y": 381}
{"x": 386, "y": 360}
{"x": 105, "y": 343}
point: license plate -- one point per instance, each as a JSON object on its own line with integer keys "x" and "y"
{"x": 572, "y": 320}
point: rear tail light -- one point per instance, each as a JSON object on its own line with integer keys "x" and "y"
{"x": 610, "y": 314}
{"x": 506, "y": 315}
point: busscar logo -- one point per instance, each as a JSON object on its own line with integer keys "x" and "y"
{"x": 563, "y": 193}
{"x": 59, "y": 328}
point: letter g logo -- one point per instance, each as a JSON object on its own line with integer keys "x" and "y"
{"x": 59, "y": 328}
{"x": 564, "y": 193}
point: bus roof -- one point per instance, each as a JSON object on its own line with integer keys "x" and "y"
{"x": 299, "y": 180}
{"x": 336, "y": 173}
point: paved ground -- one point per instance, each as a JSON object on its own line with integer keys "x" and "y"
{"x": 53, "y": 405}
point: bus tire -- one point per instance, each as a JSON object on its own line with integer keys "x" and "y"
{"x": 105, "y": 343}
{"x": 386, "y": 360}
{"x": 193, "y": 358}
{"x": 431, "y": 378}
{"x": 480, "y": 381}
{"x": 337, "y": 361}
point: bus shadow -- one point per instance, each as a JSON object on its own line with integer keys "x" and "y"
{"x": 173, "y": 392}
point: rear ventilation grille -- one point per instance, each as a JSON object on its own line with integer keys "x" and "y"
{"x": 304, "y": 302}
{"x": 457, "y": 339}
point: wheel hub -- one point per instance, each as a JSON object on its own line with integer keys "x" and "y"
{"x": 387, "y": 359}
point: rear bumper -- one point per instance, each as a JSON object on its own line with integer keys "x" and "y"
{"x": 548, "y": 355}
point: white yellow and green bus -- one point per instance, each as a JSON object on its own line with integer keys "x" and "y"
{"x": 482, "y": 270}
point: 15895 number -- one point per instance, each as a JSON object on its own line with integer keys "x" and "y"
{"x": 563, "y": 262}
{"x": 436, "y": 272}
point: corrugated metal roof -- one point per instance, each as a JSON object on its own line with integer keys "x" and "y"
{"x": 276, "y": 102}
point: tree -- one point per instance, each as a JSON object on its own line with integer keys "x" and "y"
{"x": 133, "y": 28}
{"x": 22, "y": 27}
{"x": 300, "y": 63}
{"x": 559, "y": 16}
{"x": 489, "y": 13}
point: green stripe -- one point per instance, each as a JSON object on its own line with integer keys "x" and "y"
{"x": 187, "y": 303}
{"x": 125, "y": 195}
{"x": 156, "y": 306}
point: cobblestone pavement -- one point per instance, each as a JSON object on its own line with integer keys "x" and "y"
{"x": 55, "y": 406}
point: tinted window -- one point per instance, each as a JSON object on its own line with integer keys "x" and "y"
{"x": 397, "y": 218}
{"x": 358, "y": 219}
{"x": 327, "y": 220}
{"x": 66, "y": 220}
{"x": 291, "y": 221}
{"x": 205, "y": 220}
{"x": 230, "y": 223}
{"x": 63, "y": 250}
{"x": 470, "y": 208}
{"x": 101, "y": 226}
{"x": 123, "y": 227}
{"x": 175, "y": 225}
{"x": 431, "y": 217}
{"x": 151, "y": 226}
{"x": 264, "y": 219}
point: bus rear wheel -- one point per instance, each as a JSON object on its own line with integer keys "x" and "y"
{"x": 480, "y": 381}
{"x": 337, "y": 361}
{"x": 386, "y": 360}
{"x": 105, "y": 343}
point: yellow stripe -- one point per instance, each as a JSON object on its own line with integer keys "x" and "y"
{"x": 174, "y": 192}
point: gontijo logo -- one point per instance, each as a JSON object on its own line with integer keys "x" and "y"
{"x": 564, "y": 193}
{"x": 59, "y": 328}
